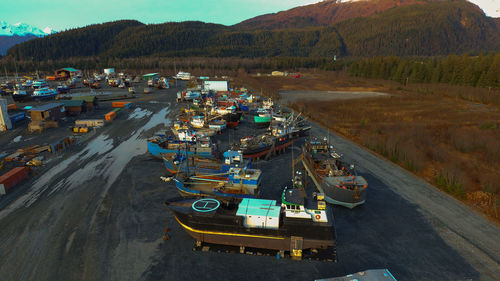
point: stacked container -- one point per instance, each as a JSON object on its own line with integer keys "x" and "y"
{"x": 11, "y": 178}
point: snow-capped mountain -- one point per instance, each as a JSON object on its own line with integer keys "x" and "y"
{"x": 12, "y": 34}
{"x": 22, "y": 29}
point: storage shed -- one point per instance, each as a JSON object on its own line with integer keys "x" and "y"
{"x": 67, "y": 72}
{"x": 90, "y": 101}
{"x": 74, "y": 107}
{"x": 50, "y": 111}
{"x": 150, "y": 76}
{"x": 219, "y": 86}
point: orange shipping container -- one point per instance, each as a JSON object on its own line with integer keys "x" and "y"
{"x": 110, "y": 116}
{"x": 11, "y": 106}
{"x": 11, "y": 178}
{"x": 119, "y": 103}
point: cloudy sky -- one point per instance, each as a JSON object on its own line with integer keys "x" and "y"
{"x": 63, "y": 14}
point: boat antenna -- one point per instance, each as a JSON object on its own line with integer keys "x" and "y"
{"x": 293, "y": 168}
{"x": 187, "y": 156}
{"x": 17, "y": 76}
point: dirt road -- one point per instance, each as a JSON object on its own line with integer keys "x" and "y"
{"x": 97, "y": 214}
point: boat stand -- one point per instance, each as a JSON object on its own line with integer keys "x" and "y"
{"x": 329, "y": 254}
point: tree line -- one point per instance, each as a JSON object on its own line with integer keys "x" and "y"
{"x": 479, "y": 71}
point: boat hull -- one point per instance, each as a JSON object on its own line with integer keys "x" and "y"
{"x": 184, "y": 190}
{"x": 345, "y": 197}
{"x": 157, "y": 150}
{"x": 335, "y": 193}
{"x": 229, "y": 230}
{"x": 263, "y": 151}
{"x": 21, "y": 98}
{"x": 262, "y": 121}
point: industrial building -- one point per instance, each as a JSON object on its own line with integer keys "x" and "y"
{"x": 50, "y": 111}
{"x": 218, "y": 86}
{"x": 74, "y": 107}
{"x": 67, "y": 72}
{"x": 150, "y": 76}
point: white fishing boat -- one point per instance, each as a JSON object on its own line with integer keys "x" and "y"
{"x": 183, "y": 76}
{"x": 44, "y": 93}
{"x": 198, "y": 121}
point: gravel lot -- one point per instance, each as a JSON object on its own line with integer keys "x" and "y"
{"x": 96, "y": 213}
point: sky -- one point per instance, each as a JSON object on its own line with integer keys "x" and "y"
{"x": 65, "y": 14}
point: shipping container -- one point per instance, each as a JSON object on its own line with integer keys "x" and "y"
{"x": 11, "y": 178}
{"x": 16, "y": 117}
{"x": 90, "y": 123}
{"x": 119, "y": 103}
{"x": 110, "y": 116}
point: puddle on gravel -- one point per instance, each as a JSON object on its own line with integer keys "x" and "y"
{"x": 109, "y": 164}
{"x": 139, "y": 113}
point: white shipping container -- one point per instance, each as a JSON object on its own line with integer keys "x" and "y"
{"x": 219, "y": 86}
{"x": 108, "y": 71}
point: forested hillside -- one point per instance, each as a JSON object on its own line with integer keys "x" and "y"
{"x": 80, "y": 42}
{"x": 426, "y": 29}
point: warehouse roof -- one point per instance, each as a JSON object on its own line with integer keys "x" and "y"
{"x": 71, "y": 103}
{"x": 85, "y": 98}
{"x": 46, "y": 107}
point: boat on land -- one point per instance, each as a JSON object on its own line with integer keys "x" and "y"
{"x": 202, "y": 165}
{"x": 238, "y": 182}
{"x": 279, "y": 138}
{"x": 39, "y": 84}
{"x": 162, "y": 144}
{"x": 262, "y": 118}
{"x": 20, "y": 95}
{"x": 219, "y": 124}
{"x": 294, "y": 226}
{"x": 340, "y": 183}
{"x": 44, "y": 93}
{"x": 183, "y": 76}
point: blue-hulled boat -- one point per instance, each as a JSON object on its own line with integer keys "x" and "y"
{"x": 235, "y": 183}
{"x": 174, "y": 163}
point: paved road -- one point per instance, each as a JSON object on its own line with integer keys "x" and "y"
{"x": 97, "y": 214}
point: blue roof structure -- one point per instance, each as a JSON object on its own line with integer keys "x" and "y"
{"x": 71, "y": 69}
{"x": 258, "y": 207}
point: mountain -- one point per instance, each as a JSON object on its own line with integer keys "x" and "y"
{"x": 426, "y": 28}
{"x": 324, "y": 13}
{"x": 79, "y": 42}
{"x": 22, "y": 29}
{"x": 12, "y": 34}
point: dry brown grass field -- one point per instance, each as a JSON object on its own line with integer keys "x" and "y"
{"x": 448, "y": 135}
